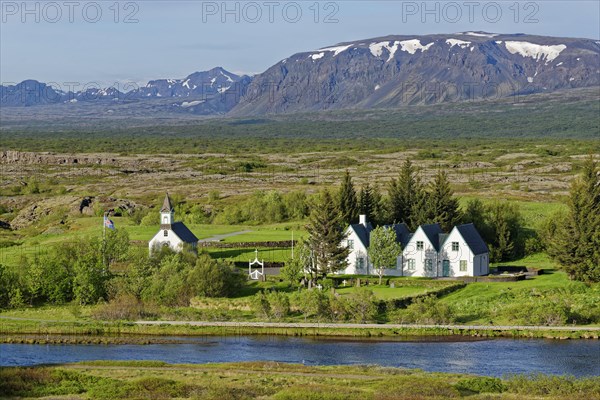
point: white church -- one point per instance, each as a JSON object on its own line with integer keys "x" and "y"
{"x": 172, "y": 234}
{"x": 428, "y": 252}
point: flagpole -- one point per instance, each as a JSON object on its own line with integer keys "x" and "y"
{"x": 292, "y": 245}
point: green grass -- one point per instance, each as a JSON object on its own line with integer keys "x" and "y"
{"x": 271, "y": 380}
{"x": 387, "y": 293}
{"x": 90, "y": 226}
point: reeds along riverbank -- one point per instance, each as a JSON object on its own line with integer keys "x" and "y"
{"x": 12, "y": 331}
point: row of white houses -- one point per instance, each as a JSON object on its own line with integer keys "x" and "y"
{"x": 428, "y": 252}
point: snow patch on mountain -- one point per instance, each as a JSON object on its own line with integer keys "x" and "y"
{"x": 536, "y": 51}
{"x": 376, "y": 49}
{"x": 187, "y": 104}
{"x": 317, "y": 56}
{"x": 460, "y": 43}
{"x": 411, "y": 46}
{"x": 337, "y": 49}
{"x": 480, "y": 34}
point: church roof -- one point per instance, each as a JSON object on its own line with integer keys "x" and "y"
{"x": 183, "y": 232}
{"x": 166, "y": 207}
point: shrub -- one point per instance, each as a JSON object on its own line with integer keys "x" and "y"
{"x": 279, "y": 304}
{"x": 261, "y": 305}
{"x": 481, "y": 384}
{"x": 362, "y": 306}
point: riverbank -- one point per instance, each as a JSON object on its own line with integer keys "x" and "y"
{"x": 271, "y": 380}
{"x": 13, "y": 330}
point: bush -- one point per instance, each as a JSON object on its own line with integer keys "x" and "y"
{"x": 261, "y": 305}
{"x": 279, "y": 304}
{"x": 362, "y": 306}
{"x": 424, "y": 310}
{"x": 215, "y": 278}
{"x": 481, "y": 384}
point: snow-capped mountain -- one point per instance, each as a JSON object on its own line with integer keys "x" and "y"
{"x": 393, "y": 71}
{"x": 385, "y": 72}
{"x": 198, "y": 84}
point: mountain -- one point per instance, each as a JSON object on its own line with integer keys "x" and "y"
{"x": 28, "y": 93}
{"x": 385, "y": 72}
{"x": 206, "y": 93}
{"x": 393, "y": 71}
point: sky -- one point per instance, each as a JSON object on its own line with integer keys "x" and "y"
{"x": 113, "y": 43}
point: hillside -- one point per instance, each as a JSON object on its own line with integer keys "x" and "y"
{"x": 388, "y": 72}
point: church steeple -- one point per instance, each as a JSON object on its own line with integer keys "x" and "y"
{"x": 166, "y": 212}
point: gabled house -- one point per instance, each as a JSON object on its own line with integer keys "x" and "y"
{"x": 464, "y": 253}
{"x": 358, "y": 238}
{"x": 429, "y": 252}
{"x": 420, "y": 255}
{"x": 172, "y": 234}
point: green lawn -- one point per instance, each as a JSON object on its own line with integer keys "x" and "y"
{"x": 90, "y": 226}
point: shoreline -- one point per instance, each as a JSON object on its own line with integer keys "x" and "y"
{"x": 27, "y": 331}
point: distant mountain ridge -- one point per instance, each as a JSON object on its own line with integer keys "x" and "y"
{"x": 385, "y": 72}
{"x": 208, "y": 92}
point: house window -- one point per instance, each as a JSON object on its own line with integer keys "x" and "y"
{"x": 463, "y": 265}
{"x": 419, "y": 245}
{"x": 360, "y": 263}
{"x": 351, "y": 244}
{"x": 411, "y": 264}
{"x": 166, "y": 233}
{"x": 454, "y": 246}
{"x": 429, "y": 265}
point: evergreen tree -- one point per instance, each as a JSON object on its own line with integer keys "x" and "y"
{"x": 576, "y": 240}
{"x": 442, "y": 206}
{"x": 347, "y": 201}
{"x": 504, "y": 228}
{"x": 404, "y": 193}
{"x": 379, "y": 211}
{"x": 420, "y": 212}
{"x": 366, "y": 202}
{"x": 325, "y": 236}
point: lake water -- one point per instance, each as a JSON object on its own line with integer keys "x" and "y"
{"x": 484, "y": 357}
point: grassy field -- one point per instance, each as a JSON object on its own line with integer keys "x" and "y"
{"x": 277, "y": 381}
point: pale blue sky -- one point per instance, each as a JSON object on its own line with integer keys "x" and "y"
{"x": 173, "y": 39}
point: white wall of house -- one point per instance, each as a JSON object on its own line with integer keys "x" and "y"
{"x": 358, "y": 257}
{"x": 159, "y": 240}
{"x": 461, "y": 260}
{"x": 419, "y": 257}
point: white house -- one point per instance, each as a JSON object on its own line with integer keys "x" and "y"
{"x": 426, "y": 253}
{"x": 172, "y": 234}
{"x": 464, "y": 253}
{"x": 420, "y": 256}
{"x": 358, "y": 241}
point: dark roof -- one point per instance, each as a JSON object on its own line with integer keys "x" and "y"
{"x": 402, "y": 233}
{"x": 432, "y": 231}
{"x": 442, "y": 239}
{"x": 183, "y": 232}
{"x": 473, "y": 238}
{"x": 363, "y": 232}
{"x": 166, "y": 207}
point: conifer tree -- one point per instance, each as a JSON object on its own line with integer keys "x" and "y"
{"x": 404, "y": 193}
{"x": 347, "y": 201}
{"x": 325, "y": 237}
{"x": 442, "y": 206}
{"x": 575, "y": 243}
{"x": 366, "y": 203}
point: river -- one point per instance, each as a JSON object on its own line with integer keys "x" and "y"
{"x": 495, "y": 357}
